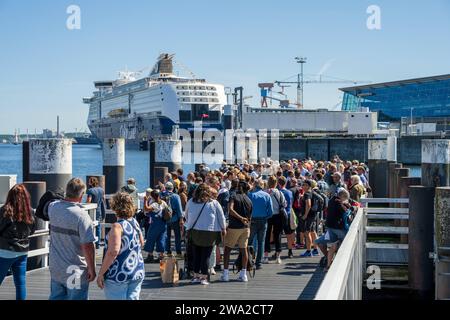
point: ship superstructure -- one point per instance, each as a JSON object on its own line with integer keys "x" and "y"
{"x": 138, "y": 109}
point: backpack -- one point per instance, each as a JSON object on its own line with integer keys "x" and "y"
{"x": 47, "y": 198}
{"x": 317, "y": 202}
{"x": 297, "y": 201}
{"x": 347, "y": 218}
{"x": 325, "y": 198}
{"x": 251, "y": 268}
{"x": 167, "y": 212}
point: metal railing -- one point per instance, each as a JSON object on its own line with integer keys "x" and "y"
{"x": 344, "y": 279}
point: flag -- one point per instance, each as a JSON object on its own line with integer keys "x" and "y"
{"x": 204, "y": 115}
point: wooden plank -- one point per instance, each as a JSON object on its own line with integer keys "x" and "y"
{"x": 384, "y": 200}
{"x": 387, "y": 230}
{"x": 389, "y": 256}
{"x": 296, "y": 278}
{"x": 383, "y": 216}
{"x": 375, "y": 245}
{"x": 387, "y": 210}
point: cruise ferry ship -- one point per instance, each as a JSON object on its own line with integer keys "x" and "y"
{"x": 139, "y": 109}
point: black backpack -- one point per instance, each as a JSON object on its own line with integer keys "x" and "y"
{"x": 48, "y": 197}
{"x": 251, "y": 268}
{"x": 317, "y": 202}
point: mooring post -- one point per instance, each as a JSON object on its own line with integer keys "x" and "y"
{"x": 6, "y": 183}
{"x": 36, "y": 189}
{"x": 442, "y": 242}
{"x": 165, "y": 156}
{"x": 51, "y": 161}
{"x": 252, "y": 154}
{"x": 436, "y": 162}
{"x": 403, "y": 187}
{"x": 114, "y": 164}
{"x": 378, "y": 166}
{"x": 420, "y": 239}
{"x": 391, "y": 178}
{"x": 25, "y": 161}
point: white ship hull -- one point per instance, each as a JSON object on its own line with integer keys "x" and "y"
{"x": 138, "y": 110}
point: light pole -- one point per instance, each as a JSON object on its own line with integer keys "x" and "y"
{"x": 301, "y": 60}
{"x": 411, "y": 120}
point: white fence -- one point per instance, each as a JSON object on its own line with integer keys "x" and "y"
{"x": 344, "y": 279}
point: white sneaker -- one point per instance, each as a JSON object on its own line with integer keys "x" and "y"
{"x": 243, "y": 277}
{"x": 212, "y": 271}
{"x": 225, "y": 277}
{"x": 279, "y": 260}
{"x": 266, "y": 260}
{"x": 204, "y": 282}
{"x": 195, "y": 280}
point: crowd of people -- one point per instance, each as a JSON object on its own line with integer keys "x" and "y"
{"x": 211, "y": 212}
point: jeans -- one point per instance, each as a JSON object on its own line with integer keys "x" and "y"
{"x": 258, "y": 230}
{"x": 128, "y": 290}
{"x": 175, "y": 226}
{"x": 156, "y": 235}
{"x": 276, "y": 224}
{"x": 18, "y": 267}
{"x": 59, "y": 291}
{"x": 201, "y": 259}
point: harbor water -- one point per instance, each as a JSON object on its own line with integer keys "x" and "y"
{"x": 87, "y": 159}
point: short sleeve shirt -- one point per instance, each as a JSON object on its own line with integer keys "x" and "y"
{"x": 70, "y": 227}
{"x": 243, "y": 206}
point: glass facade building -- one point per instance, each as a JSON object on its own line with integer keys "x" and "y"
{"x": 423, "y": 97}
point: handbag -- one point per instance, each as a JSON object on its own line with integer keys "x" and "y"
{"x": 189, "y": 232}
{"x": 283, "y": 213}
{"x": 169, "y": 269}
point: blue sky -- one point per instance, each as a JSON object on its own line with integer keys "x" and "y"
{"x": 46, "y": 69}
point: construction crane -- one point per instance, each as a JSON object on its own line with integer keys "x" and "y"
{"x": 300, "y": 82}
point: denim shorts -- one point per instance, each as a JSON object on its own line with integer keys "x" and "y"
{"x": 128, "y": 290}
{"x": 332, "y": 235}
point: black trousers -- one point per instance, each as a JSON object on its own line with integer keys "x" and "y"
{"x": 276, "y": 224}
{"x": 201, "y": 257}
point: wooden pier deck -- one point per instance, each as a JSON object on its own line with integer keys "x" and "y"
{"x": 296, "y": 278}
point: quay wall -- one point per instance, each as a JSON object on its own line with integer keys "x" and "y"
{"x": 348, "y": 148}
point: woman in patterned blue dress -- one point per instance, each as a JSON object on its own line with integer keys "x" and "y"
{"x": 122, "y": 270}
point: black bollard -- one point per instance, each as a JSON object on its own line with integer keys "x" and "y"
{"x": 114, "y": 164}
{"x": 36, "y": 189}
{"x": 420, "y": 239}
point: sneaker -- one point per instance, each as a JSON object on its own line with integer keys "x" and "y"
{"x": 243, "y": 277}
{"x": 266, "y": 260}
{"x": 212, "y": 271}
{"x": 195, "y": 280}
{"x": 307, "y": 253}
{"x": 290, "y": 254}
{"x": 150, "y": 259}
{"x": 258, "y": 267}
{"x": 218, "y": 268}
{"x": 225, "y": 277}
{"x": 204, "y": 282}
{"x": 315, "y": 252}
{"x": 279, "y": 260}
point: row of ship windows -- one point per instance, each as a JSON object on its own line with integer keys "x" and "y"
{"x": 198, "y": 99}
{"x": 196, "y": 88}
{"x": 188, "y": 93}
